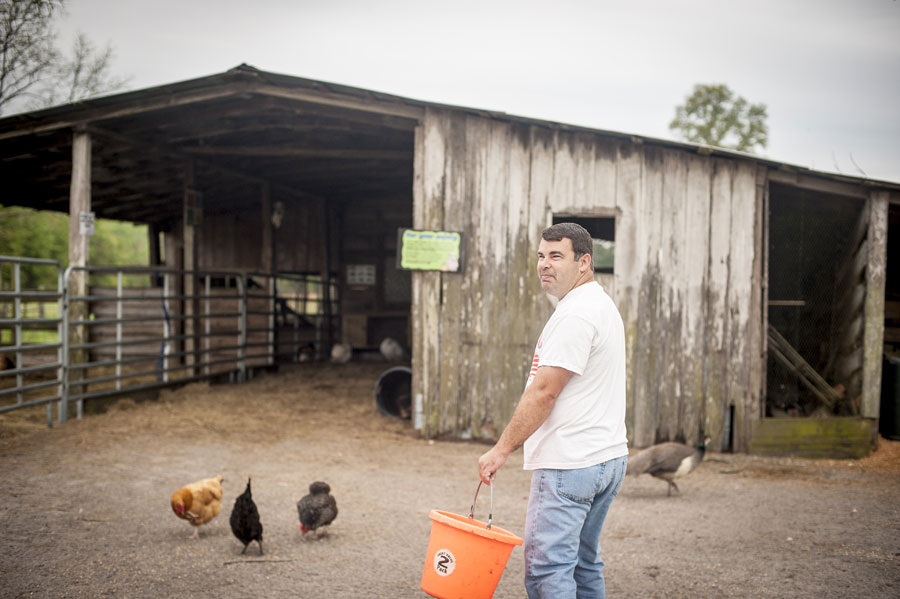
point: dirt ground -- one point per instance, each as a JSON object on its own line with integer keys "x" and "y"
{"x": 84, "y": 507}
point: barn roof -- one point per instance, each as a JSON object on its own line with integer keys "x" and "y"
{"x": 240, "y": 128}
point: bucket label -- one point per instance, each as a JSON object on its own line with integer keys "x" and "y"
{"x": 444, "y": 562}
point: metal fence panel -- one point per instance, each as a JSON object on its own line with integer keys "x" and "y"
{"x": 30, "y": 336}
{"x": 136, "y": 329}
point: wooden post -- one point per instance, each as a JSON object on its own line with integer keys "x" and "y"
{"x": 173, "y": 286}
{"x": 79, "y": 252}
{"x": 266, "y": 253}
{"x": 327, "y": 316}
{"x": 155, "y": 251}
{"x": 762, "y": 190}
{"x": 267, "y": 262}
{"x": 191, "y": 220}
{"x": 873, "y": 333}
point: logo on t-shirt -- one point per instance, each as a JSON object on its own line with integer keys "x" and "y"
{"x": 535, "y": 361}
{"x": 534, "y": 367}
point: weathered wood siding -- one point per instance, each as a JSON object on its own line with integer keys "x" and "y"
{"x": 873, "y": 335}
{"x": 687, "y": 273}
{"x": 234, "y": 241}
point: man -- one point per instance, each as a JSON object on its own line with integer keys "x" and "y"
{"x": 571, "y": 419}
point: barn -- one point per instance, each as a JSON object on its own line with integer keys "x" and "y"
{"x": 757, "y": 296}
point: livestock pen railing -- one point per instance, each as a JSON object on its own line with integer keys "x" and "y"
{"x": 31, "y": 353}
{"x": 130, "y": 329}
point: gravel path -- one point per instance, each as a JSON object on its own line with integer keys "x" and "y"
{"x": 84, "y": 507}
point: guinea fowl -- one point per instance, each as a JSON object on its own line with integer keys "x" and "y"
{"x": 317, "y": 510}
{"x": 667, "y": 461}
{"x": 244, "y": 520}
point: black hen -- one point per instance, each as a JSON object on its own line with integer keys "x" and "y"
{"x": 318, "y": 509}
{"x": 244, "y": 520}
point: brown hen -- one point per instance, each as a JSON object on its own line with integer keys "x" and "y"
{"x": 198, "y": 502}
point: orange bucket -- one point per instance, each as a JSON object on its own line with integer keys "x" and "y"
{"x": 465, "y": 557}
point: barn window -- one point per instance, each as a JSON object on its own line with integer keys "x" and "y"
{"x": 603, "y": 232}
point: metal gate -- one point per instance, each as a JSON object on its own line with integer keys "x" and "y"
{"x": 31, "y": 329}
{"x": 129, "y": 329}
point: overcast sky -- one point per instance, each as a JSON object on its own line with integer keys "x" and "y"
{"x": 828, "y": 70}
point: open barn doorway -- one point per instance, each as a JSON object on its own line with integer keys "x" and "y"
{"x": 376, "y": 295}
{"x": 816, "y": 295}
{"x": 889, "y": 412}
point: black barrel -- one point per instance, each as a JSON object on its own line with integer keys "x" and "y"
{"x": 393, "y": 392}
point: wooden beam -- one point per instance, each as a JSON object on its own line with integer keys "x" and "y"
{"x": 192, "y": 215}
{"x": 876, "y": 242}
{"x": 813, "y": 183}
{"x": 176, "y": 153}
{"x": 266, "y": 253}
{"x": 294, "y": 152}
{"x": 153, "y": 244}
{"x": 208, "y": 133}
{"x": 342, "y": 101}
{"x": 758, "y": 340}
{"x": 157, "y": 102}
{"x": 167, "y": 100}
{"x": 847, "y": 438}
{"x": 79, "y": 250}
{"x": 79, "y": 200}
{"x": 793, "y": 361}
{"x": 268, "y": 262}
{"x": 336, "y": 115}
{"x": 197, "y": 117}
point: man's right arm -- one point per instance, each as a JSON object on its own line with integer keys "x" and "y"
{"x": 533, "y": 409}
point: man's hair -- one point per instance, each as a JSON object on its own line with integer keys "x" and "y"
{"x": 581, "y": 239}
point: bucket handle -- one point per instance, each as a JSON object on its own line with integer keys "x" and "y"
{"x": 491, "y": 512}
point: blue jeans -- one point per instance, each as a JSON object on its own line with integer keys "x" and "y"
{"x": 566, "y": 510}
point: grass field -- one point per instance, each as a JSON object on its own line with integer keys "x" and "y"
{"x": 33, "y": 333}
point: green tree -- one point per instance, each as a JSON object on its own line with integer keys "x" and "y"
{"x": 28, "y": 233}
{"x": 715, "y": 116}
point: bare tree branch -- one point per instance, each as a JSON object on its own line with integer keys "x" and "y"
{"x": 32, "y": 67}
{"x": 27, "y": 51}
{"x": 84, "y": 74}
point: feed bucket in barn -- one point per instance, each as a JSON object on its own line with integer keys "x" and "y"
{"x": 465, "y": 557}
{"x": 393, "y": 392}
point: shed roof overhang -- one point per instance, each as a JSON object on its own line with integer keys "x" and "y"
{"x": 244, "y": 128}
{"x": 240, "y": 129}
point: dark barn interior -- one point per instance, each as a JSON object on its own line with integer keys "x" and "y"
{"x": 274, "y": 174}
{"x": 816, "y": 294}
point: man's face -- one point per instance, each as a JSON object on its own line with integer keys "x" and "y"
{"x": 557, "y": 267}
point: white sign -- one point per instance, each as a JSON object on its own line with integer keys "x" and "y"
{"x": 86, "y": 223}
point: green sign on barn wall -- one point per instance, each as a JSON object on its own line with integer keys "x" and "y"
{"x": 429, "y": 250}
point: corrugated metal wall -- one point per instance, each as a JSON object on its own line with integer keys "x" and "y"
{"x": 687, "y": 273}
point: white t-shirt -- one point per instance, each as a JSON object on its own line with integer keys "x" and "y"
{"x": 586, "y": 426}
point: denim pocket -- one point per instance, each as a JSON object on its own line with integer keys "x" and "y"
{"x": 580, "y": 484}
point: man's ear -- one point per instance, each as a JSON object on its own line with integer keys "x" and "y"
{"x": 584, "y": 263}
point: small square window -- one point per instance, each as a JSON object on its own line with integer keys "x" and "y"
{"x": 603, "y": 232}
